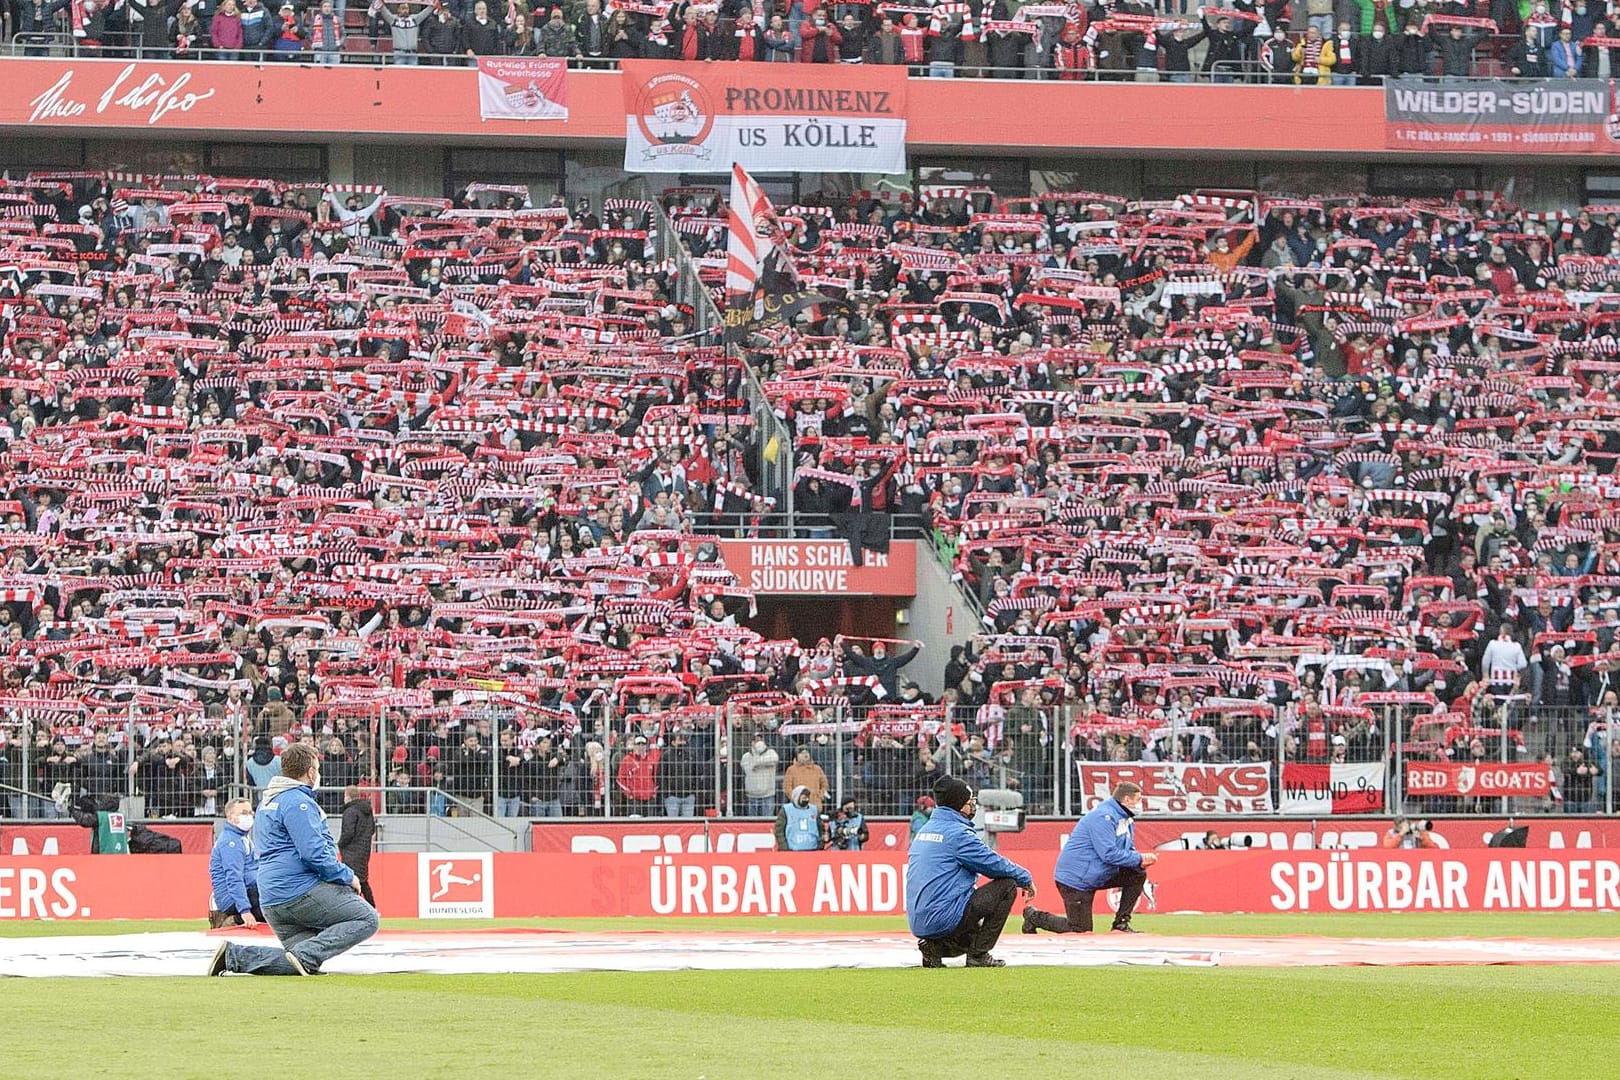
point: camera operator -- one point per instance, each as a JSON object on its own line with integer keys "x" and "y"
{"x": 1214, "y": 841}
{"x": 1409, "y": 835}
{"x": 848, "y": 831}
{"x": 800, "y": 824}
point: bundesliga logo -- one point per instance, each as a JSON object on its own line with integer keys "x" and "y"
{"x": 455, "y": 886}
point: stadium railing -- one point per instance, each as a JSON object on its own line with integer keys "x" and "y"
{"x": 359, "y": 50}
{"x": 885, "y": 755}
{"x": 797, "y": 526}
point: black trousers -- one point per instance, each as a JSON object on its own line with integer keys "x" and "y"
{"x": 362, "y": 874}
{"x": 981, "y": 924}
{"x": 231, "y": 917}
{"x": 1076, "y": 917}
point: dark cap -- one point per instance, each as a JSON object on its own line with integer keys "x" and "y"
{"x": 952, "y": 792}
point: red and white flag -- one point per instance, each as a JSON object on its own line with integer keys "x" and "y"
{"x": 748, "y": 238}
{"x": 1341, "y": 788}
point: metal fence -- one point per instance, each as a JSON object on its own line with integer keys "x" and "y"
{"x": 361, "y": 47}
{"x": 641, "y": 755}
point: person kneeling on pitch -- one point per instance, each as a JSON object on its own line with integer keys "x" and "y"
{"x": 233, "y": 871}
{"x": 310, "y": 900}
{"x": 1101, "y": 854}
{"x": 949, "y": 916}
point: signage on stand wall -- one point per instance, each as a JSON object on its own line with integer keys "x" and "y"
{"x": 821, "y": 568}
{"x": 705, "y": 118}
{"x": 523, "y": 88}
{"x": 1479, "y": 779}
{"x": 1546, "y": 116}
{"x": 531, "y": 885}
{"x": 1182, "y": 788}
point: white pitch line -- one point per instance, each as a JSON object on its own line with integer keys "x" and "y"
{"x": 493, "y": 952}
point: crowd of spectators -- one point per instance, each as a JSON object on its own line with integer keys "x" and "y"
{"x": 280, "y": 461}
{"x": 426, "y": 483}
{"x": 1234, "y": 476}
{"x": 1339, "y": 42}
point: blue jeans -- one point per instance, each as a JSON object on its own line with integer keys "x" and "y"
{"x": 438, "y": 805}
{"x": 763, "y": 806}
{"x": 680, "y": 805}
{"x": 941, "y": 69}
{"x": 547, "y": 808}
{"x": 508, "y": 807}
{"x": 405, "y": 57}
{"x": 328, "y": 920}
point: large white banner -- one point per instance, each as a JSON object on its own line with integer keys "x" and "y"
{"x": 1180, "y": 787}
{"x": 685, "y": 118}
{"x": 522, "y": 88}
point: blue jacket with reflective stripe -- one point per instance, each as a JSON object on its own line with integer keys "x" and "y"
{"x": 232, "y": 869}
{"x": 1103, "y": 843}
{"x": 295, "y": 848}
{"x": 946, "y": 860}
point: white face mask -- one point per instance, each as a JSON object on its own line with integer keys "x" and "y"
{"x": 243, "y": 821}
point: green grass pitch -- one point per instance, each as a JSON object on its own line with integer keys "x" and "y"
{"x": 1493, "y": 1023}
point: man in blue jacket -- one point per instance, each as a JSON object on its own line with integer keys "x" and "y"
{"x": 233, "y": 870}
{"x": 310, "y": 899}
{"x": 1101, "y": 854}
{"x": 949, "y": 916}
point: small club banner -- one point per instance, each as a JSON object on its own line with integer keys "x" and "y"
{"x": 1332, "y": 788}
{"x": 691, "y": 118}
{"x": 1566, "y": 116}
{"x": 523, "y": 87}
{"x": 1481, "y": 779}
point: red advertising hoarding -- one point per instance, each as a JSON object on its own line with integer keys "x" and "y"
{"x": 70, "y": 839}
{"x": 525, "y": 885}
{"x": 1297, "y": 834}
{"x": 672, "y": 837}
{"x": 1479, "y": 779}
{"x": 312, "y": 101}
{"x": 821, "y": 568}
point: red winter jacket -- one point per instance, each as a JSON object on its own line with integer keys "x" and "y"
{"x": 638, "y": 775}
{"x": 808, "y": 33}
